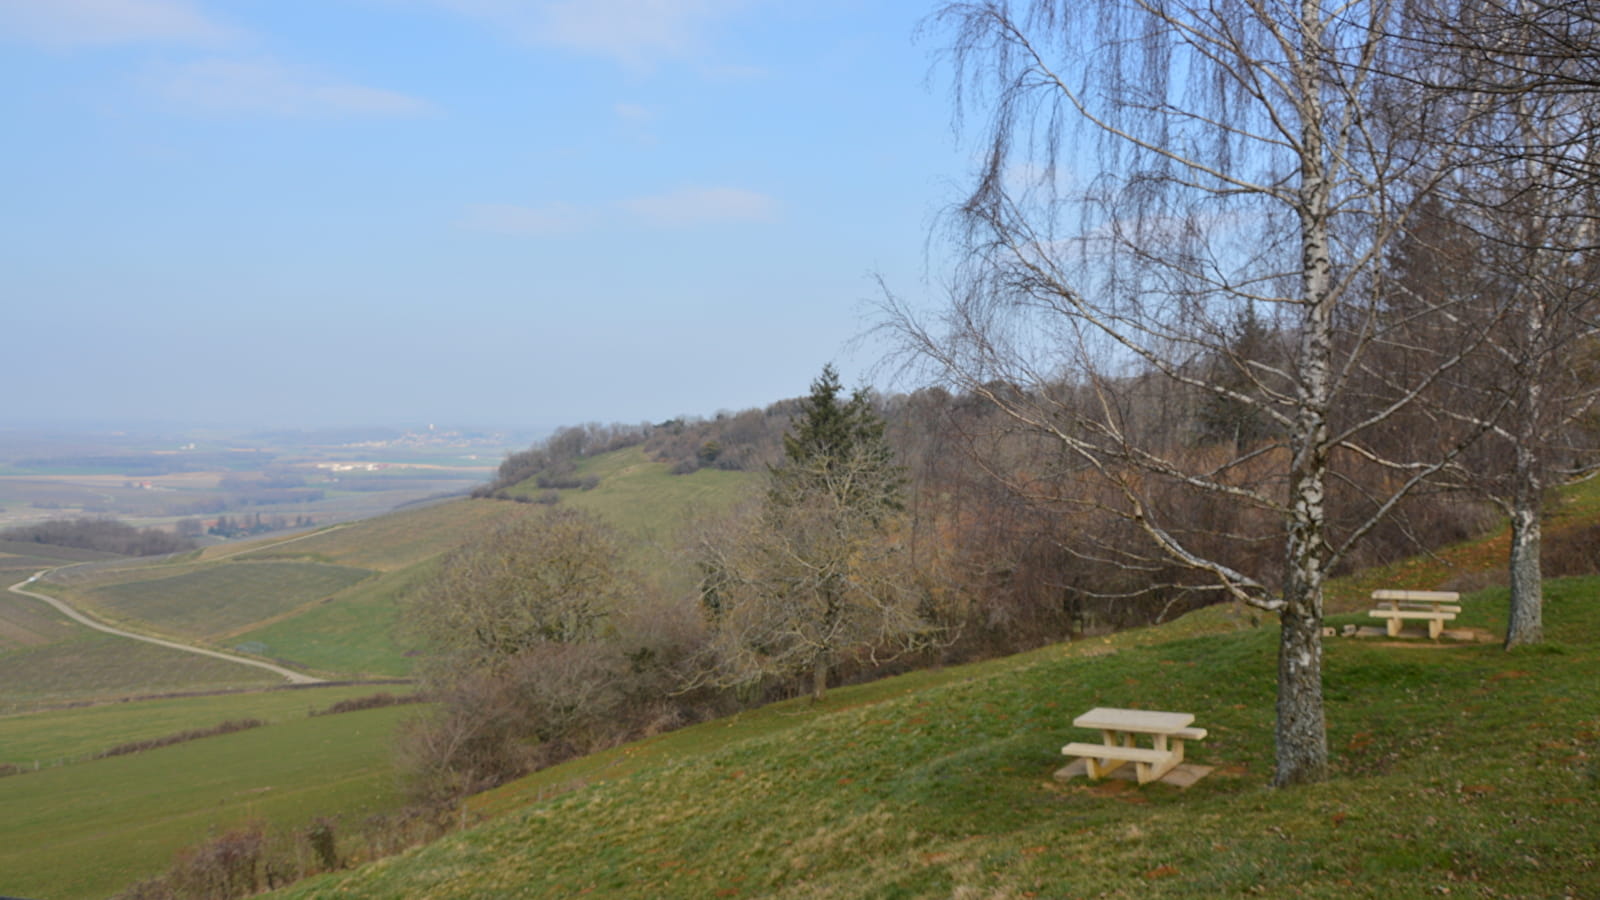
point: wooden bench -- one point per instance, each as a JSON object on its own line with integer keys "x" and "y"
{"x": 1433, "y": 607}
{"x": 1120, "y": 728}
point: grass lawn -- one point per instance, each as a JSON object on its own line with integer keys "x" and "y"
{"x": 1457, "y": 769}
{"x": 89, "y": 830}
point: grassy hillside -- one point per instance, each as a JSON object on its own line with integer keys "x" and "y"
{"x": 651, "y": 506}
{"x": 1458, "y": 769}
{"x": 29, "y": 623}
{"x": 390, "y": 542}
{"x": 648, "y": 501}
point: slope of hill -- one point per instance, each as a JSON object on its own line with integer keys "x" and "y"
{"x": 1459, "y": 769}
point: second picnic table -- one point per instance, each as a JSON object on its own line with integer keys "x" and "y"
{"x": 1120, "y": 730}
{"x": 1433, "y": 607}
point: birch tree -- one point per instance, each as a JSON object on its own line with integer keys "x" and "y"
{"x": 1524, "y": 185}
{"x": 1153, "y": 170}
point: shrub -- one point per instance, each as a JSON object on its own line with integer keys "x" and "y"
{"x": 1572, "y": 551}
{"x": 192, "y": 734}
{"x": 371, "y": 701}
{"x": 250, "y": 859}
{"x": 227, "y": 866}
{"x": 319, "y": 837}
{"x": 554, "y": 700}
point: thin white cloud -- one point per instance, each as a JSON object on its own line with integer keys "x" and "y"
{"x": 267, "y": 87}
{"x": 635, "y": 123}
{"x": 633, "y": 32}
{"x": 633, "y": 112}
{"x": 681, "y": 208}
{"x": 105, "y": 22}
{"x": 703, "y": 205}
{"x": 506, "y": 218}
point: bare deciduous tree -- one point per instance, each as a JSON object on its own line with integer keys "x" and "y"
{"x": 1248, "y": 170}
{"x": 816, "y": 572}
{"x": 550, "y": 578}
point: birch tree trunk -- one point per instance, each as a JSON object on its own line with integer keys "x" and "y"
{"x": 1526, "y": 622}
{"x": 1301, "y": 737}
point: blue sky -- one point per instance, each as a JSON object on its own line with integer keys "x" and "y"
{"x": 304, "y": 212}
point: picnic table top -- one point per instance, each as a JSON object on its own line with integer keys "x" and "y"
{"x": 1141, "y": 720}
{"x": 1416, "y": 596}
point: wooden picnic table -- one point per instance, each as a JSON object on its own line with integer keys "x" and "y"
{"x": 1120, "y": 733}
{"x": 1433, "y": 607}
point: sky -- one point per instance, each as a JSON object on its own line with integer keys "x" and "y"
{"x": 487, "y": 212}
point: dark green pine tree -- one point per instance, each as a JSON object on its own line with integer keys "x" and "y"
{"x": 836, "y": 450}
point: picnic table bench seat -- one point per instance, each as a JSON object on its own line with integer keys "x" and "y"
{"x": 1107, "y": 752}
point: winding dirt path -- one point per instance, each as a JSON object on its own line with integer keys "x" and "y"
{"x": 20, "y": 588}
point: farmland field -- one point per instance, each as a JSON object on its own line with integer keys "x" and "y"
{"x": 64, "y": 736}
{"x": 395, "y": 540}
{"x": 215, "y": 601}
{"x": 88, "y": 830}
{"x": 28, "y": 623}
{"x": 96, "y": 666}
{"x": 355, "y": 635}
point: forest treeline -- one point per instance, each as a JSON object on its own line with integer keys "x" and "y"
{"x": 989, "y": 500}
{"x": 104, "y": 535}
